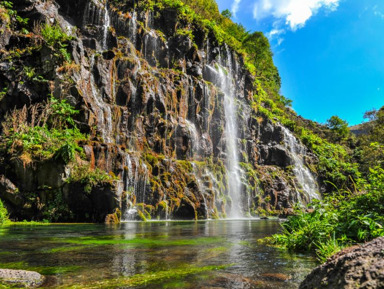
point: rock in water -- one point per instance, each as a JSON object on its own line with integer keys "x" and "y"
{"x": 23, "y": 278}
{"x": 361, "y": 267}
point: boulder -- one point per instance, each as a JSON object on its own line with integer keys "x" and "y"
{"x": 356, "y": 267}
{"x": 28, "y": 279}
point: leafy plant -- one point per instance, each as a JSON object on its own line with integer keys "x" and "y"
{"x": 3, "y": 213}
{"x": 338, "y": 221}
{"x": 90, "y": 178}
{"x": 56, "y": 38}
{"x": 43, "y": 132}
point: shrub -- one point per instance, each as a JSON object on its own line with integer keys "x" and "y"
{"x": 338, "y": 221}
{"x": 54, "y": 36}
{"x": 43, "y": 132}
{"x": 3, "y": 213}
{"x": 57, "y": 39}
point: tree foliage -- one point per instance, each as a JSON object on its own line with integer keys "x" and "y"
{"x": 206, "y": 8}
{"x": 253, "y": 45}
{"x": 371, "y": 147}
{"x": 259, "y": 52}
{"x": 339, "y": 126}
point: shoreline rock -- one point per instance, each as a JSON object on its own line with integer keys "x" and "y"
{"x": 28, "y": 279}
{"x": 355, "y": 267}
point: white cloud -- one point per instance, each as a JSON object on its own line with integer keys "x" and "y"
{"x": 235, "y": 7}
{"x": 276, "y": 35}
{"x": 275, "y": 32}
{"x": 377, "y": 12}
{"x": 295, "y": 13}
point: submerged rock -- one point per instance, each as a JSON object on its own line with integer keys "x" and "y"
{"x": 361, "y": 267}
{"x": 28, "y": 279}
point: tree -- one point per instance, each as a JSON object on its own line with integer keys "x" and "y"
{"x": 227, "y": 14}
{"x": 259, "y": 52}
{"x": 339, "y": 126}
{"x": 370, "y": 115}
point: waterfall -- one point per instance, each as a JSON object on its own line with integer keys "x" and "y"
{"x": 106, "y": 24}
{"x": 133, "y": 28}
{"x": 102, "y": 110}
{"x": 201, "y": 186}
{"x": 194, "y": 137}
{"x": 302, "y": 173}
{"x": 135, "y": 179}
{"x": 150, "y": 46}
{"x": 231, "y": 128}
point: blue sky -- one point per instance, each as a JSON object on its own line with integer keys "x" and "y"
{"x": 330, "y": 53}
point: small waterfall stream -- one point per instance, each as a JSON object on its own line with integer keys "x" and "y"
{"x": 106, "y": 24}
{"x": 303, "y": 175}
{"x": 195, "y": 140}
{"x": 133, "y": 28}
{"x": 102, "y": 110}
{"x": 135, "y": 179}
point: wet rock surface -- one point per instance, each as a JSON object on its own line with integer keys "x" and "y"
{"x": 28, "y": 279}
{"x": 356, "y": 267}
{"x": 154, "y": 105}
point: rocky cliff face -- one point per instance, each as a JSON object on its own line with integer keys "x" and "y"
{"x": 168, "y": 115}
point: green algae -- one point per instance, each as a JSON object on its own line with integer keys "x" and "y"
{"x": 56, "y": 270}
{"x": 176, "y": 285}
{"x": 44, "y": 270}
{"x": 221, "y": 249}
{"x": 144, "y": 241}
{"x": 245, "y": 243}
{"x": 64, "y": 249}
{"x": 152, "y": 277}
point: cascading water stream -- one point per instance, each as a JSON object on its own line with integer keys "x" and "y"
{"x": 102, "y": 110}
{"x": 195, "y": 140}
{"x": 201, "y": 187}
{"x": 195, "y": 145}
{"x": 231, "y": 128}
{"x": 135, "y": 182}
{"x": 303, "y": 175}
{"x": 133, "y": 28}
{"x": 106, "y": 24}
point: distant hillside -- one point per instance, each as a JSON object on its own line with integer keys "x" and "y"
{"x": 360, "y": 129}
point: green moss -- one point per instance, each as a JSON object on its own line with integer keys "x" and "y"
{"x": 185, "y": 166}
{"x": 152, "y": 277}
{"x": 163, "y": 204}
{"x": 141, "y": 215}
{"x": 185, "y": 32}
{"x": 65, "y": 249}
{"x": 83, "y": 174}
{"x": 151, "y": 159}
{"x": 140, "y": 242}
{"x": 29, "y": 223}
{"x": 54, "y": 270}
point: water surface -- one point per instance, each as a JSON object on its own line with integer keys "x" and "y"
{"x": 204, "y": 254}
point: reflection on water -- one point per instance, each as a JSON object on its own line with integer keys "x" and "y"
{"x": 155, "y": 255}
